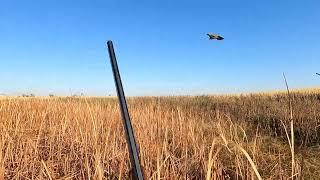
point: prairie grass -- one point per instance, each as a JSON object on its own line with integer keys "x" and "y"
{"x": 203, "y": 137}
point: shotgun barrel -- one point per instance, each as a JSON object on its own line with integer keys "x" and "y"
{"x": 132, "y": 146}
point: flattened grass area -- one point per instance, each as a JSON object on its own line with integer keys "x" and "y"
{"x": 203, "y": 137}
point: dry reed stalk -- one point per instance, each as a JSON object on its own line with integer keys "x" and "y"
{"x": 293, "y": 174}
{"x": 253, "y": 165}
{"x": 47, "y": 170}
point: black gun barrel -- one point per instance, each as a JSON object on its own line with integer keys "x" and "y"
{"x": 132, "y": 147}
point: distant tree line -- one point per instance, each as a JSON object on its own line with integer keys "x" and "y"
{"x": 28, "y": 95}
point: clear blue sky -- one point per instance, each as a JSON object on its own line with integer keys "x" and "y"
{"x": 58, "y": 46}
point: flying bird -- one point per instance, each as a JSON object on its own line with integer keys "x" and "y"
{"x": 214, "y": 36}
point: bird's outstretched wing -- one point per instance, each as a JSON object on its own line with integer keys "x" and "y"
{"x": 210, "y": 36}
{"x": 318, "y": 74}
{"x": 220, "y": 38}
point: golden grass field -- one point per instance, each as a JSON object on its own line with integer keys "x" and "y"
{"x": 204, "y": 137}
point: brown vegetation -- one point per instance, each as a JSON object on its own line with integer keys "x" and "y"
{"x": 207, "y": 137}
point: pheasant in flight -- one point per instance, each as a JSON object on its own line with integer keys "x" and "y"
{"x": 214, "y": 36}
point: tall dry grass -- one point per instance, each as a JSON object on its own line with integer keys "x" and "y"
{"x": 223, "y": 137}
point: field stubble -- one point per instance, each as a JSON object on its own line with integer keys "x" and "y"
{"x": 205, "y": 137}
